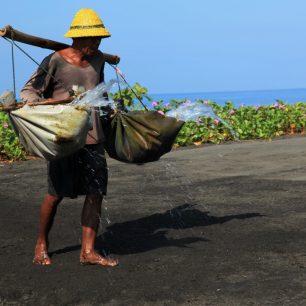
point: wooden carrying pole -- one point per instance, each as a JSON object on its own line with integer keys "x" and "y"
{"x": 15, "y": 106}
{"x": 15, "y": 35}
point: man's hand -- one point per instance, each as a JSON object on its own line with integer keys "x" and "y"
{"x": 112, "y": 59}
{"x": 117, "y": 59}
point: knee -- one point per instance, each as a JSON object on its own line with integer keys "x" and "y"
{"x": 51, "y": 200}
{"x": 94, "y": 199}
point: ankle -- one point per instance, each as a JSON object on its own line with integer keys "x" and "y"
{"x": 87, "y": 251}
{"x": 41, "y": 243}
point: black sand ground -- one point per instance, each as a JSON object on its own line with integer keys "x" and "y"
{"x": 214, "y": 225}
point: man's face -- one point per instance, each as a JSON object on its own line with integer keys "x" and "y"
{"x": 89, "y": 45}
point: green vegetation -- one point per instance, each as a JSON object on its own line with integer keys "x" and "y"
{"x": 264, "y": 122}
{"x": 10, "y": 148}
{"x": 247, "y": 122}
{"x": 128, "y": 96}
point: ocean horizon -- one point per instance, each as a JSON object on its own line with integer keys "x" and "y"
{"x": 239, "y": 97}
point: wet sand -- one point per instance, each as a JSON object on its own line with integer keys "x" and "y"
{"x": 211, "y": 225}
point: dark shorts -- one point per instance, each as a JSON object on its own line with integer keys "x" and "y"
{"x": 84, "y": 172}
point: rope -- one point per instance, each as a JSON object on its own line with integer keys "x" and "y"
{"x": 13, "y": 66}
{"x": 118, "y": 72}
{"x": 118, "y": 82}
{"x": 71, "y": 92}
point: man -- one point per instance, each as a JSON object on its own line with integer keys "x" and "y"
{"x": 85, "y": 172}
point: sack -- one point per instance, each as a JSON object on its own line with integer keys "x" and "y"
{"x": 51, "y": 131}
{"x": 140, "y": 136}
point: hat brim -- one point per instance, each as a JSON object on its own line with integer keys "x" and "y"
{"x": 95, "y": 32}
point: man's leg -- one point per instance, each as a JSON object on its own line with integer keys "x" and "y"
{"x": 91, "y": 215}
{"x": 47, "y": 213}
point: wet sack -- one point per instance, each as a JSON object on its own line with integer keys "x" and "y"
{"x": 140, "y": 136}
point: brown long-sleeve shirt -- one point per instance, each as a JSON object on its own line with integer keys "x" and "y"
{"x": 60, "y": 79}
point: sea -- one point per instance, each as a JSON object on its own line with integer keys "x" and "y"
{"x": 239, "y": 98}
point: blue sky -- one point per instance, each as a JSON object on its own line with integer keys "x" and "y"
{"x": 174, "y": 45}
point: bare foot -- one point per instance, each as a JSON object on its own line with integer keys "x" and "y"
{"x": 93, "y": 258}
{"x": 41, "y": 255}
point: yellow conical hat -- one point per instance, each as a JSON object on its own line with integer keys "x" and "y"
{"x": 86, "y": 23}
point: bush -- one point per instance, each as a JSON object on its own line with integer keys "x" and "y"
{"x": 10, "y": 148}
{"x": 245, "y": 122}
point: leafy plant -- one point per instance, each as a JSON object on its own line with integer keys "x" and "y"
{"x": 244, "y": 122}
{"x": 10, "y": 148}
{"x": 129, "y": 95}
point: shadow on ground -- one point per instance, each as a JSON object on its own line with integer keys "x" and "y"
{"x": 148, "y": 233}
